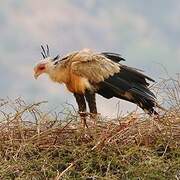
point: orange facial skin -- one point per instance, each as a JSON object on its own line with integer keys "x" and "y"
{"x": 39, "y": 69}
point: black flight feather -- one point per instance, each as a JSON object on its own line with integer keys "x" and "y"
{"x": 113, "y": 56}
{"x": 130, "y": 81}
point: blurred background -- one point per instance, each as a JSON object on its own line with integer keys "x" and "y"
{"x": 146, "y": 33}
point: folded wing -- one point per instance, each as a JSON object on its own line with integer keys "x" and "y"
{"x": 94, "y": 67}
{"x": 129, "y": 84}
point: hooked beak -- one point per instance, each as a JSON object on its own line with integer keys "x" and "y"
{"x": 36, "y": 75}
{"x": 39, "y": 69}
{"x": 36, "y": 72}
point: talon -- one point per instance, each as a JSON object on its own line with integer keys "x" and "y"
{"x": 83, "y": 116}
{"x": 94, "y": 117}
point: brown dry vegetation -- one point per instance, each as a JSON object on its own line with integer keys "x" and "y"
{"x": 40, "y": 145}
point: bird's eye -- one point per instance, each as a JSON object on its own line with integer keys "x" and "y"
{"x": 41, "y": 67}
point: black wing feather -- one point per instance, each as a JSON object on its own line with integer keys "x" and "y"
{"x": 132, "y": 74}
{"x": 113, "y": 56}
{"x": 128, "y": 80}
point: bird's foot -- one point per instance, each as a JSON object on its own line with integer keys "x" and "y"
{"x": 94, "y": 117}
{"x": 83, "y": 116}
{"x": 86, "y": 132}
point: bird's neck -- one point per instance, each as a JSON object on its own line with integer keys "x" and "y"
{"x": 74, "y": 83}
{"x": 77, "y": 84}
{"x": 59, "y": 75}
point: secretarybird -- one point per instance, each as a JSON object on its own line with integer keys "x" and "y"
{"x": 86, "y": 73}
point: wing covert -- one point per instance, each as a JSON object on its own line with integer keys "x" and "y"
{"x": 94, "y": 67}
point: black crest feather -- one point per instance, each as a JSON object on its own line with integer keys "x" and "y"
{"x": 45, "y": 52}
{"x": 56, "y": 58}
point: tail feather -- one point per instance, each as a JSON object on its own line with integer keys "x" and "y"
{"x": 134, "y": 92}
{"x": 146, "y": 103}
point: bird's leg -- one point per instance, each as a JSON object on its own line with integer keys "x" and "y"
{"x": 82, "y": 108}
{"x": 91, "y": 100}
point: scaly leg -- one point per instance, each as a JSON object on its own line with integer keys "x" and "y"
{"x": 82, "y": 108}
{"x": 91, "y": 100}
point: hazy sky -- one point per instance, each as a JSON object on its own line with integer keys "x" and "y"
{"x": 146, "y": 33}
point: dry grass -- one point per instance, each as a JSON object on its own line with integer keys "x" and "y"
{"x": 39, "y": 145}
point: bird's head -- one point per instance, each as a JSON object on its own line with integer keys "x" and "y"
{"x": 45, "y": 65}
